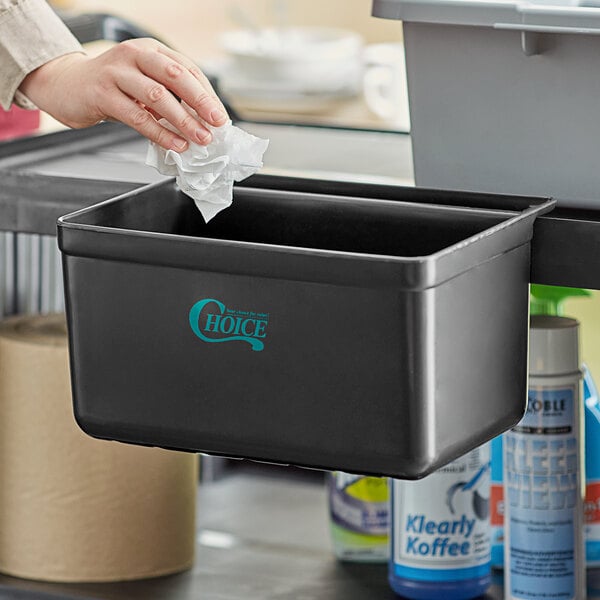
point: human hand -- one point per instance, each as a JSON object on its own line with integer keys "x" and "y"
{"x": 131, "y": 82}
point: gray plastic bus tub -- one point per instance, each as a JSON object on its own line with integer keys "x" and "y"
{"x": 503, "y": 96}
{"x": 373, "y": 336}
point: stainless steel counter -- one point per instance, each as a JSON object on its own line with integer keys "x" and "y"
{"x": 262, "y": 535}
{"x": 40, "y": 176}
{"x": 119, "y": 154}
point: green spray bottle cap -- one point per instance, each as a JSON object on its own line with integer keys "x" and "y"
{"x": 548, "y": 299}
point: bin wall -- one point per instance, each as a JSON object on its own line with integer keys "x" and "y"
{"x": 316, "y": 394}
{"x": 367, "y": 380}
{"x": 486, "y": 117}
{"x": 481, "y": 352}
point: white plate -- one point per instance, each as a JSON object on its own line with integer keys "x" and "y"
{"x": 280, "y": 96}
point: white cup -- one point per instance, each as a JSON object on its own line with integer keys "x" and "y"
{"x": 385, "y": 86}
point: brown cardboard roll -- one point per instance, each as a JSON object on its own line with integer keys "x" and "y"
{"x": 73, "y": 508}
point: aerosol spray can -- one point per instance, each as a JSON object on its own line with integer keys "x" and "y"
{"x": 543, "y": 472}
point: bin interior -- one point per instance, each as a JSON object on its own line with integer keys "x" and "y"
{"x": 335, "y": 223}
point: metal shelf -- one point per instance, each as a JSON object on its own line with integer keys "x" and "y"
{"x": 566, "y": 243}
{"x": 31, "y": 203}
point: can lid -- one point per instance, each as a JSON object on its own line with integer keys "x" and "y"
{"x": 553, "y": 345}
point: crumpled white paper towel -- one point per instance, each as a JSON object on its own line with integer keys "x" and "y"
{"x": 207, "y": 173}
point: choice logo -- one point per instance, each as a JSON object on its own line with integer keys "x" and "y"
{"x": 212, "y": 322}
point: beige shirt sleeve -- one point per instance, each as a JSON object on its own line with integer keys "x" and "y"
{"x": 31, "y": 34}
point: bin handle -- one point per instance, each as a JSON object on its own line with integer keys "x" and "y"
{"x": 525, "y": 28}
{"x": 530, "y": 34}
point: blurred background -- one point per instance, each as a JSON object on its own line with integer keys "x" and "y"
{"x": 194, "y": 26}
{"x": 197, "y": 28}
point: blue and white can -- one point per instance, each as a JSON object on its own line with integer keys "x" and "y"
{"x": 441, "y": 531}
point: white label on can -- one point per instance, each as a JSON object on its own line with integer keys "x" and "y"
{"x": 441, "y": 523}
{"x": 542, "y": 483}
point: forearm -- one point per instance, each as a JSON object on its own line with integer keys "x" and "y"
{"x": 30, "y": 35}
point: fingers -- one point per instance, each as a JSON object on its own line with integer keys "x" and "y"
{"x": 131, "y": 113}
{"x": 159, "y": 100}
{"x": 180, "y": 75}
{"x": 136, "y": 82}
{"x": 193, "y": 68}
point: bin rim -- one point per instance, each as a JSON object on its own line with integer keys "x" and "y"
{"x": 219, "y": 254}
{"x": 538, "y": 206}
{"x": 499, "y": 14}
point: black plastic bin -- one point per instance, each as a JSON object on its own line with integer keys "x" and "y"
{"x": 383, "y": 334}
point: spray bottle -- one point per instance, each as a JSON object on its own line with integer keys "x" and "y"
{"x": 359, "y": 517}
{"x": 549, "y": 300}
{"x": 592, "y": 471}
{"x": 440, "y": 531}
{"x": 497, "y": 504}
{"x": 543, "y": 464}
